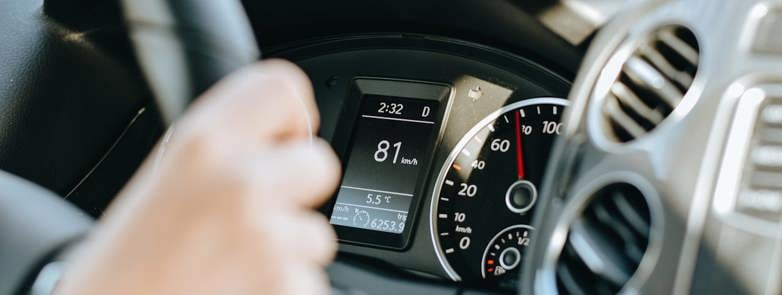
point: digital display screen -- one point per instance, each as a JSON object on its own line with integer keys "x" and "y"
{"x": 391, "y": 146}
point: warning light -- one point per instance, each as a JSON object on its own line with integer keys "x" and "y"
{"x": 490, "y": 262}
{"x": 491, "y": 269}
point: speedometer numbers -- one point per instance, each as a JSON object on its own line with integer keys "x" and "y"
{"x": 486, "y": 192}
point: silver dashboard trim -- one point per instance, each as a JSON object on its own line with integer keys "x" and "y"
{"x": 682, "y": 156}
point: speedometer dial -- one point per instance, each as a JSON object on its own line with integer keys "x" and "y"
{"x": 483, "y": 201}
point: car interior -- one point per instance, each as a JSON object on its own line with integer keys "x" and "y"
{"x": 487, "y": 147}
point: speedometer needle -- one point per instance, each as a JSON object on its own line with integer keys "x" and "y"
{"x": 519, "y": 154}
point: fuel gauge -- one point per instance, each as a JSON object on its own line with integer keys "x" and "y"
{"x": 505, "y": 251}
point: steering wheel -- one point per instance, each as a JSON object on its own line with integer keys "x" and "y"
{"x": 183, "y": 47}
{"x": 652, "y": 182}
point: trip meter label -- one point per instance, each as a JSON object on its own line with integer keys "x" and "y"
{"x": 390, "y": 146}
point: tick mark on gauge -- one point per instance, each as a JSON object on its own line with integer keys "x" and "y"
{"x": 466, "y": 152}
{"x": 445, "y": 199}
{"x": 521, "y": 112}
{"x": 449, "y": 250}
{"x": 491, "y": 127}
{"x": 506, "y": 119}
{"x": 444, "y": 234}
{"x": 538, "y": 108}
{"x": 555, "y": 110}
{"x": 442, "y": 216}
{"x": 457, "y": 167}
{"x": 449, "y": 182}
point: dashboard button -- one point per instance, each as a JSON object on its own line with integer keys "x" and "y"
{"x": 767, "y": 156}
{"x": 771, "y": 135}
{"x": 772, "y": 114}
{"x": 762, "y": 204}
{"x": 766, "y": 180}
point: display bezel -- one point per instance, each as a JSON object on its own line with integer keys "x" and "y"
{"x": 410, "y": 89}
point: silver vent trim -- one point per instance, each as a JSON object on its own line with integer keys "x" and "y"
{"x": 649, "y": 84}
{"x": 606, "y": 242}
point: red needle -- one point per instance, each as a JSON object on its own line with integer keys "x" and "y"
{"x": 519, "y": 154}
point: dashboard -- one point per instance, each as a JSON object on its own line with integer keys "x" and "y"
{"x": 402, "y": 110}
{"x": 665, "y": 178}
{"x": 443, "y": 143}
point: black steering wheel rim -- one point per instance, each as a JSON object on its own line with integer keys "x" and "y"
{"x": 185, "y": 46}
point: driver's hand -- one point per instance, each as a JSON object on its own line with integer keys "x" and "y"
{"x": 226, "y": 205}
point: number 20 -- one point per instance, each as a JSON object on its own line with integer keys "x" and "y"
{"x": 468, "y": 190}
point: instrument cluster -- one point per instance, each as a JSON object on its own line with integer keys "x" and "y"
{"x": 443, "y": 144}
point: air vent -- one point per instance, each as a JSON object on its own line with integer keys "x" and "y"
{"x": 605, "y": 243}
{"x": 652, "y": 82}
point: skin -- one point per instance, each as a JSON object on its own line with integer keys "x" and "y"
{"x": 228, "y": 208}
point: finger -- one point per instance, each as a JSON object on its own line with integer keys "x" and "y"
{"x": 297, "y": 237}
{"x": 299, "y": 174}
{"x": 305, "y": 280}
{"x": 321, "y": 241}
{"x": 271, "y": 99}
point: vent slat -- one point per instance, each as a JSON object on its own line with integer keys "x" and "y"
{"x": 651, "y": 83}
{"x": 621, "y": 119}
{"x": 659, "y": 61}
{"x": 628, "y": 98}
{"x": 638, "y": 222}
{"x": 669, "y": 38}
{"x": 588, "y": 245}
{"x": 644, "y": 74}
{"x": 620, "y": 229}
{"x": 568, "y": 281}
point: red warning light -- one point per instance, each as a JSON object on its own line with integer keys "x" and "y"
{"x": 490, "y": 262}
